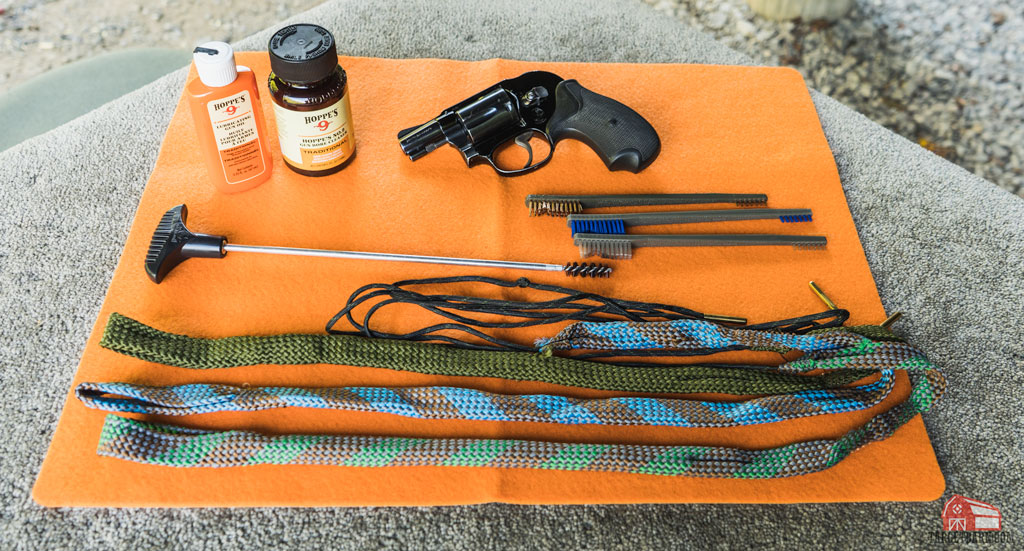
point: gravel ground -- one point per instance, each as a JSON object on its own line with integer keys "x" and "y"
{"x": 948, "y": 75}
{"x": 38, "y": 35}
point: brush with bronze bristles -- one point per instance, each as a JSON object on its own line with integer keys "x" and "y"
{"x": 564, "y": 205}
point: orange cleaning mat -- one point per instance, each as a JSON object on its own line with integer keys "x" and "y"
{"x": 723, "y": 129}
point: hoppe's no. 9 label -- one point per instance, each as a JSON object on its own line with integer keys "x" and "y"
{"x": 236, "y": 137}
{"x": 316, "y": 140}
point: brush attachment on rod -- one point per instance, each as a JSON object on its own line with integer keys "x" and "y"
{"x": 586, "y": 269}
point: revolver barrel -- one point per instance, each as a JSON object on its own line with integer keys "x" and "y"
{"x": 419, "y": 141}
{"x": 485, "y": 121}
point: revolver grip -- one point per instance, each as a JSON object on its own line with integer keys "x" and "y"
{"x": 619, "y": 135}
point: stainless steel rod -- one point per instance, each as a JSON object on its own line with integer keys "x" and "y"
{"x": 354, "y": 255}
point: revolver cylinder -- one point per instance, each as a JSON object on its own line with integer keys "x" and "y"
{"x": 489, "y": 118}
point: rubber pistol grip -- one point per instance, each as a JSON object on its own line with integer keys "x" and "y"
{"x": 621, "y": 137}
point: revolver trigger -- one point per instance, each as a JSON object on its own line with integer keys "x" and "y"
{"x": 523, "y": 141}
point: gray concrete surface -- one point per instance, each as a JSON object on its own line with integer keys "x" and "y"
{"x": 946, "y": 247}
{"x": 72, "y": 90}
{"x": 40, "y": 35}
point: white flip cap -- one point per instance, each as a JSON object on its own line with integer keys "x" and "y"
{"x": 215, "y": 63}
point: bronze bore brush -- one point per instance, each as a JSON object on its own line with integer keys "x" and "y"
{"x": 564, "y": 205}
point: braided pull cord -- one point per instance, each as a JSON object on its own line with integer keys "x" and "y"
{"x": 164, "y": 444}
{"x": 470, "y": 404}
{"x": 841, "y": 348}
{"x": 127, "y": 336}
{"x": 859, "y": 347}
{"x": 828, "y": 349}
{"x": 150, "y": 443}
{"x": 157, "y": 444}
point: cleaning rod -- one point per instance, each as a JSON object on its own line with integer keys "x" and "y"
{"x": 173, "y": 243}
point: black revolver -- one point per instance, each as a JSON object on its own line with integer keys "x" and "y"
{"x": 537, "y": 104}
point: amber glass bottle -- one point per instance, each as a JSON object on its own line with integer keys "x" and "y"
{"x": 311, "y": 105}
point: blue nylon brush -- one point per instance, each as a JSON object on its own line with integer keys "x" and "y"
{"x": 617, "y": 223}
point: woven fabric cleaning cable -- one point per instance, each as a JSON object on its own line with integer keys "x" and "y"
{"x": 130, "y": 337}
{"x": 857, "y": 341}
{"x": 158, "y": 444}
{"x": 837, "y": 348}
{"x": 464, "y": 403}
{"x": 475, "y": 405}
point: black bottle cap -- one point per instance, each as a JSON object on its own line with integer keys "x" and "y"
{"x": 302, "y": 53}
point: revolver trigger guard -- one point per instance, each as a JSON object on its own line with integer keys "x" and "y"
{"x": 523, "y": 140}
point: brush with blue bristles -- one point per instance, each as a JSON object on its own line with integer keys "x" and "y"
{"x": 617, "y": 223}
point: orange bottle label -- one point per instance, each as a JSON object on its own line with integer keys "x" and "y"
{"x": 316, "y": 140}
{"x": 236, "y": 136}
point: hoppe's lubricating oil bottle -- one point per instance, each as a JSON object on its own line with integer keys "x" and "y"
{"x": 225, "y": 103}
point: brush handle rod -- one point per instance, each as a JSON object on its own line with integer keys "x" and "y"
{"x": 706, "y": 240}
{"x": 639, "y": 200}
{"x": 353, "y": 255}
{"x": 691, "y": 216}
